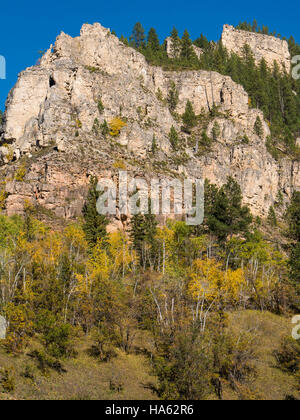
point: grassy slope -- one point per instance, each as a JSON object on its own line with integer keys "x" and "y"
{"x": 268, "y": 329}
{"x": 86, "y": 378}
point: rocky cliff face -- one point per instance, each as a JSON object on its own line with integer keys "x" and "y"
{"x": 263, "y": 46}
{"x": 53, "y": 123}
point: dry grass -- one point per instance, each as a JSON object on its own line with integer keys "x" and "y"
{"x": 267, "y": 329}
{"x": 85, "y": 378}
{"x": 88, "y": 379}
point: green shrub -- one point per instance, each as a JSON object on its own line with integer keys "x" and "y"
{"x": 216, "y": 131}
{"x": 288, "y": 356}
{"x": 8, "y": 380}
{"x": 56, "y": 336}
{"x": 100, "y": 106}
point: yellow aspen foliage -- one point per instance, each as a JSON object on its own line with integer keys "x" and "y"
{"x": 83, "y": 284}
{"x": 234, "y": 284}
{"x": 115, "y": 126}
{"x": 100, "y": 265}
{"x": 165, "y": 238}
{"x": 19, "y": 327}
{"x": 166, "y": 235}
{"x": 47, "y": 250}
{"x": 200, "y": 245}
{"x": 123, "y": 257}
{"x": 75, "y": 237}
{"x": 208, "y": 279}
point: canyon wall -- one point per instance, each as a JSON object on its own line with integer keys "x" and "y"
{"x": 53, "y": 120}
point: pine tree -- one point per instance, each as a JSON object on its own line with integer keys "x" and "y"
{"x": 254, "y": 26}
{"x": 154, "y": 146}
{"x": 187, "y": 50}
{"x": 28, "y": 221}
{"x": 176, "y": 43}
{"x": 174, "y": 138}
{"x": 142, "y": 234}
{"x": 258, "y": 127}
{"x": 293, "y": 217}
{"x": 173, "y": 97}
{"x": 153, "y": 43}
{"x": 225, "y": 214}
{"x": 216, "y": 131}
{"x": 138, "y": 36}
{"x": 189, "y": 118}
{"x": 104, "y": 128}
{"x": 294, "y": 264}
{"x": 272, "y": 219}
{"x": 94, "y": 223}
{"x": 202, "y": 42}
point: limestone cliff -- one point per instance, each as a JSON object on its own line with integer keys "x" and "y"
{"x": 263, "y": 46}
{"x": 53, "y": 121}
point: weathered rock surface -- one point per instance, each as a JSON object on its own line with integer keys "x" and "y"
{"x": 263, "y": 46}
{"x": 53, "y": 120}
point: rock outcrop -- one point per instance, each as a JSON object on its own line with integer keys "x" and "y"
{"x": 263, "y": 46}
{"x": 55, "y": 112}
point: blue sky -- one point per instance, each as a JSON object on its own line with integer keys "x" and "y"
{"x": 30, "y": 26}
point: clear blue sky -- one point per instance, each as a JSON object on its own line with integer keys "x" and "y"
{"x": 30, "y": 26}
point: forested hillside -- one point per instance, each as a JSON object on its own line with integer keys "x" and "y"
{"x": 171, "y": 293}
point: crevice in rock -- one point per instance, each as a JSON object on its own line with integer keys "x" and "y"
{"x": 222, "y": 97}
{"x": 51, "y": 82}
